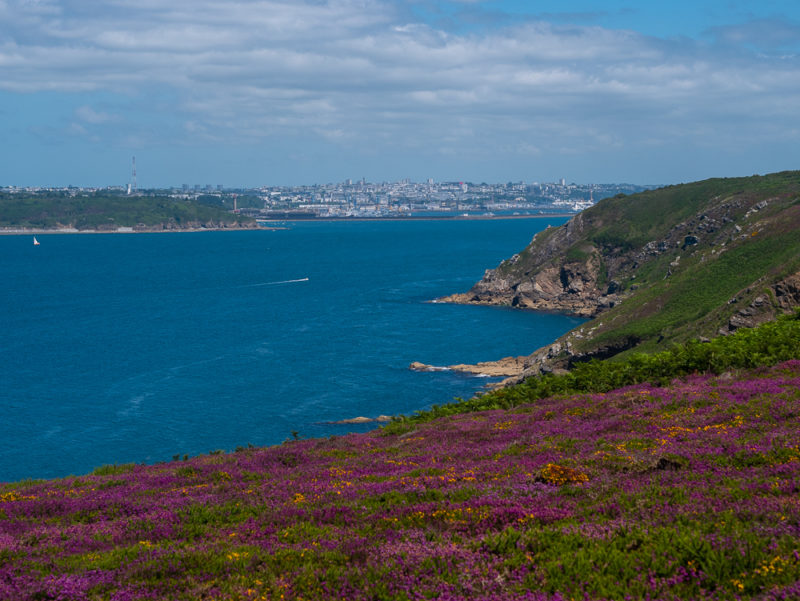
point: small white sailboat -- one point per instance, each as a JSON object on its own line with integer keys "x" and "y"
{"x": 35, "y": 241}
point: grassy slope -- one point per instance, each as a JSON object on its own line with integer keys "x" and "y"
{"x": 672, "y": 307}
{"x": 659, "y": 309}
{"x": 636, "y": 220}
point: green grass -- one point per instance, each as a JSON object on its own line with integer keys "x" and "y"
{"x": 110, "y": 470}
{"x": 577, "y": 255}
{"x": 677, "y": 303}
{"x": 649, "y": 215}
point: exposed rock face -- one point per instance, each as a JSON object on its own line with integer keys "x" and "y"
{"x": 786, "y": 295}
{"x": 570, "y": 288}
{"x": 787, "y": 292}
{"x": 553, "y": 284}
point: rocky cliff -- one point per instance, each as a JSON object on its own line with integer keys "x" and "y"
{"x": 663, "y": 266}
{"x": 544, "y": 278}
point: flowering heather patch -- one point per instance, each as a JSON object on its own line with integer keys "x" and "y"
{"x": 690, "y": 491}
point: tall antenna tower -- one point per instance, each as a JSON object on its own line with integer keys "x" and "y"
{"x": 133, "y": 176}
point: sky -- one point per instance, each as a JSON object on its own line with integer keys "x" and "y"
{"x": 245, "y": 93}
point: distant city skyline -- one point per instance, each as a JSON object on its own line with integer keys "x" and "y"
{"x": 249, "y": 93}
{"x": 132, "y": 186}
{"x": 361, "y": 199}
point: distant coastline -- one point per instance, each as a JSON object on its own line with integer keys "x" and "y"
{"x": 126, "y": 230}
{"x": 267, "y": 224}
{"x": 476, "y": 217}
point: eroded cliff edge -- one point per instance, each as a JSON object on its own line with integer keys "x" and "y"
{"x": 688, "y": 261}
{"x": 546, "y": 276}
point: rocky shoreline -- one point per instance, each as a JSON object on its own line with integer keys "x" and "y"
{"x": 381, "y": 419}
{"x": 502, "y": 368}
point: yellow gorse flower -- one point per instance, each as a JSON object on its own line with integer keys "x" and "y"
{"x": 558, "y": 475}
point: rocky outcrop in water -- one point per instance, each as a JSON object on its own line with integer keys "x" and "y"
{"x": 506, "y": 367}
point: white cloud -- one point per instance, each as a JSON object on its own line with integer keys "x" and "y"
{"x": 760, "y": 33}
{"x": 89, "y": 115}
{"x": 354, "y": 72}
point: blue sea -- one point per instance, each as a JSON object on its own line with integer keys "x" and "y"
{"x": 138, "y": 347}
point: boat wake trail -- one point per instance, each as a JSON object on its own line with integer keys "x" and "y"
{"x": 275, "y": 283}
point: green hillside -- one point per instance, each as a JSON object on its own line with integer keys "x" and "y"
{"x": 661, "y": 267}
{"x": 106, "y": 211}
